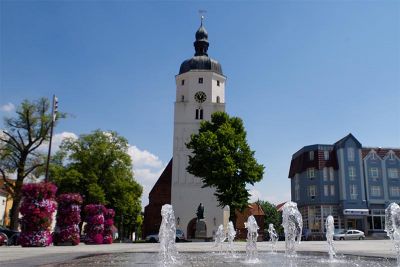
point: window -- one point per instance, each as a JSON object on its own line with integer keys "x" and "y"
{"x": 218, "y": 99}
{"x": 393, "y": 173}
{"x": 331, "y": 174}
{"x": 350, "y": 154}
{"x": 391, "y": 155}
{"x": 353, "y": 192}
{"x": 373, "y": 172}
{"x": 395, "y": 191}
{"x": 352, "y": 172}
{"x": 375, "y": 191}
{"x": 311, "y": 191}
{"x": 325, "y": 174}
{"x": 182, "y": 82}
{"x": 200, "y": 80}
{"x": 310, "y": 173}
{"x": 326, "y": 155}
{"x": 332, "y": 190}
{"x": 182, "y": 98}
{"x": 373, "y": 156}
{"x": 199, "y": 114}
{"x": 326, "y": 190}
{"x": 296, "y": 188}
{"x": 217, "y": 83}
{"x": 311, "y": 155}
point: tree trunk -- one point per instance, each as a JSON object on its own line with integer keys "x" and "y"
{"x": 14, "y": 223}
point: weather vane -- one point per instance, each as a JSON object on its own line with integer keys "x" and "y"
{"x": 201, "y": 13}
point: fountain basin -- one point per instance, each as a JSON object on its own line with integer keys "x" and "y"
{"x": 301, "y": 259}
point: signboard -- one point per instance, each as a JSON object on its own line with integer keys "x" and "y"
{"x": 355, "y": 212}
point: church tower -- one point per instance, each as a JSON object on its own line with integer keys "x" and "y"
{"x": 200, "y": 91}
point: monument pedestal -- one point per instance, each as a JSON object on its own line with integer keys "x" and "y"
{"x": 201, "y": 229}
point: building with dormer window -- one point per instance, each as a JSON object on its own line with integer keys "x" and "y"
{"x": 352, "y": 183}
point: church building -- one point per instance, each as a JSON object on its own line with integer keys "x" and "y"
{"x": 200, "y": 91}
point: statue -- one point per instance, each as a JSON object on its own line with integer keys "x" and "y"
{"x": 200, "y": 212}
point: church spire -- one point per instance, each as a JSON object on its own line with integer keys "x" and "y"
{"x": 201, "y": 43}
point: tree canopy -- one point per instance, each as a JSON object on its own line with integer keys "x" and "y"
{"x": 223, "y": 160}
{"x": 271, "y": 216}
{"x": 19, "y": 143}
{"x": 98, "y": 167}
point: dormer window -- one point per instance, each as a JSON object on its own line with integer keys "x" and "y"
{"x": 200, "y": 80}
{"x": 350, "y": 154}
{"x": 391, "y": 155}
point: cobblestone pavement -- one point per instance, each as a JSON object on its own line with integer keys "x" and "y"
{"x": 18, "y": 256}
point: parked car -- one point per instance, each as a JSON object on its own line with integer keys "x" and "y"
{"x": 12, "y": 235}
{"x": 153, "y": 238}
{"x": 349, "y": 234}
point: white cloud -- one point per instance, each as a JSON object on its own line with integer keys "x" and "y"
{"x": 7, "y": 107}
{"x": 142, "y": 158}
{"x": 56, "y": 142}
{"x": 255, "y": 195}
{"x": 147, "y": 168}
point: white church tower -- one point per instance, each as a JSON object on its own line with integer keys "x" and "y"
{"x": 200, "y": 91}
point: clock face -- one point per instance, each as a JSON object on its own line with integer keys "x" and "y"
{"x": 200, "y": 97}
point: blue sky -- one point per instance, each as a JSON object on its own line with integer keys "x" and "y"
{"x": 299, "y": 72}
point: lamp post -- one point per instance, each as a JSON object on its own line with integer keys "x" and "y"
{"x": 53, "y": 119}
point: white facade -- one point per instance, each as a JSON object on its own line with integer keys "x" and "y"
{"x": 186, "y": 190}
{"x": 3, "y": 201}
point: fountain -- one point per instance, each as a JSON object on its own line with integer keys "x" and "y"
{"x": 251, "y": 246}
{"x": 292, "y": 222}
{"x": 273, "y": 237}
{"x": 392, "y": 227}
{"x": 167, "y": 234}
{"x": 220, "y": 237}
{"x": 330, "y": 227}
{"x": 231, "y": 234}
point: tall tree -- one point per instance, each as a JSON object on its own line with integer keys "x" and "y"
{"x": 223, "y": 160}
{"x": 19, "y": 142}
{"x": 271, "y": 216}
{"x": 98, "y": 167}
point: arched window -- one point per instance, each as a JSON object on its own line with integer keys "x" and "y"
{"x": 199, "y": 114}
{"x": 218, "y": 99}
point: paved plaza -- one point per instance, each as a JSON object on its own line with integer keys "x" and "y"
{"x": 18, "y": 256}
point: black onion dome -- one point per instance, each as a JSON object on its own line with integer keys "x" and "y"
{"x": 201, "y": 60}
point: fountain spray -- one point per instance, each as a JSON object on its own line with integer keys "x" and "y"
{"x": 330, "y": 228}
{"x": 293, "y": 224}
{"x": 167, "y": 234}
{"x": 273, "y": 237}
{"x": 251, "y": 246}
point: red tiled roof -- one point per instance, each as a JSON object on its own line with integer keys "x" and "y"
{"x": 256, "y": 209}
{"x": 279, "y": 207}
{"x": 382, "y": 152}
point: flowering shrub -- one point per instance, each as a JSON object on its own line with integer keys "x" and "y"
{"x": 95, "y": 223}
{"x": 37, "y": 210}
{"x": 68, "y": 218}
{"x": 108, "y": 223}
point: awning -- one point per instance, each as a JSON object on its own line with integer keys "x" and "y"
{"x": 355, "y": 212}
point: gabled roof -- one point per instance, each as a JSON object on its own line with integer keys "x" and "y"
{"x": 255, "y": 209}
{"x": 341, "y": 143}
{"x": 279, "y": 207}
{"x": 381, "y": 152}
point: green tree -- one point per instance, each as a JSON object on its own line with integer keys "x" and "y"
{"x": 223, "y": 160}
{"x": 271, "y": 216}
{"x": 98, "y": 167}
{"x": 19, "y": 142}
